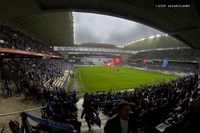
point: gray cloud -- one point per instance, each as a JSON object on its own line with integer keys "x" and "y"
{"x": 106, "y": 29}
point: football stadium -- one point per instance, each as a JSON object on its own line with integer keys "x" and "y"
{"x": 94, "y": 66}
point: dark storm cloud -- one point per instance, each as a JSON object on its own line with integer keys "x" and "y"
{"x": 106, "y": 29}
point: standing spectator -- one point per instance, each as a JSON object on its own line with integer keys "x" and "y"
{"x": 89, "y": 112}
{"x": 123, "y": 122}
{"x": 9, "y": 92}
{"x": 2, "y": 88}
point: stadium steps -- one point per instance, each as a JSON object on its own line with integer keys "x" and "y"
{"x": 46, "y": 82}
{"x": 95, "y": 128}
{"x": 59, "y": 82}
{"x": 55, "y": 81}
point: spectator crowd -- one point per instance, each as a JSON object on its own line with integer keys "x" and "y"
{"x": 175, "y": 54}
{"x": 34, "y": 78}
{"x": 170, "y": 103}
{"x": 14, "y": 39}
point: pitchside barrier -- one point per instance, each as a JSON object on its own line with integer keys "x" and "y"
{"x": 19, "y": 112}
{"x": 46, "y": 122}
{"x": 39, "y": 120}
{"x": 165, "y": 72}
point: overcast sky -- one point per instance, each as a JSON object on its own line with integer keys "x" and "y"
{"x": 106, "y": 29}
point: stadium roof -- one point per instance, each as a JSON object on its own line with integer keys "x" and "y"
{"x": 182, "y": 23}
{"x": 98, "y": 45}
{"x": 53, "y": 28}
{"x": 163, "y": 41}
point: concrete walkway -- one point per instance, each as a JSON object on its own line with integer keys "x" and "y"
{"x": 95, "y": 128}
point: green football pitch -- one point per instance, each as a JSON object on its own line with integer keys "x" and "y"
{"x": 93, "y": 78}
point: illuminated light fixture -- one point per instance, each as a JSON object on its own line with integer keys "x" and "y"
{"x": 2, "y": 41}
{"x": 158, "y": 35}
{"x": 151, "y": 37}
{"x": 142, "y": 39}
{"x": 2, "y": 54}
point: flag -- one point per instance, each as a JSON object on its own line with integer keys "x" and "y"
{"x": 144, "y": 61}
{"x": 165, "y": 63}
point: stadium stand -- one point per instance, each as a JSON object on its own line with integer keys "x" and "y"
{"x": 168, "y": 103}
{"x": 172, "y": 67}
{"x": 43, "y": 80}
{"x": 179, "y": 60}
{"x": 36, "y": 71}
{"x": 175, "y": 54}
{"x": 14, "y": 39}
